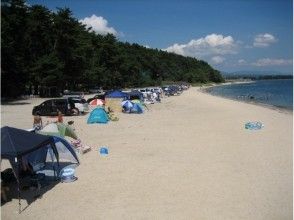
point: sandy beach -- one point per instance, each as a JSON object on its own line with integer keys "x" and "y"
{"x": 189, "y": 157}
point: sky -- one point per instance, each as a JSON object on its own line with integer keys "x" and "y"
{"x": 231, "y": 35}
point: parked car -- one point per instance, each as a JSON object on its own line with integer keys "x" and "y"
{"x": 80, "y": 104}
{"x": 50, "y": 107}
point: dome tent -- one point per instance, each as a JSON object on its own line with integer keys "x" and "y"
{"x": 98, "y": 115}
{"x": 136, "y": 109}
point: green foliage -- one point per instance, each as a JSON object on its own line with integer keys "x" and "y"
{"x": 45, "y": 49}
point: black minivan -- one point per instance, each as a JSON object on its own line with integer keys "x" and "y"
{"x": 50, "y": 107}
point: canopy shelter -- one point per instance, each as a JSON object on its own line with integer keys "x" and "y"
{"x": 59, "y": 130}
{"x": 113, "y": 100}
{"x": 17, "y": 144}
{"x": 135, "y": 95}
{"x": 116, "y": 94}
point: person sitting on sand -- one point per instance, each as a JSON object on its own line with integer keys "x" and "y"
{"x": 26, "y": 169}
{"x": 37, "y": 124}
{"x": 59, "y": 116}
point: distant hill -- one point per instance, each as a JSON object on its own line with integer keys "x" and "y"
{"x": 256, "y": 75}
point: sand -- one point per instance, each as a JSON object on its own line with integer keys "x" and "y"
{"x": 188, "y": 157}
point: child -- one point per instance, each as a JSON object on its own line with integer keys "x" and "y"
{"x": 37, "y": 124}
{"x": 59, "y": 117}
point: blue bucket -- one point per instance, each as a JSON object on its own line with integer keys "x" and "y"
{"x": 103, "y": 150}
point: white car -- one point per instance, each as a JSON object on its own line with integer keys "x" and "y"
{"x": 80, "y": 104}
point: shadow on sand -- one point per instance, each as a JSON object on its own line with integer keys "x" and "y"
{"x": 29, "y": 190}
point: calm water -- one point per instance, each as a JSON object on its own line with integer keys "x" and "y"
{"x": 271, "y": 92}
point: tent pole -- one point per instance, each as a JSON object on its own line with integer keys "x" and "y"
{"x": 19, "y": 204}
{"x": 18, "y": 186}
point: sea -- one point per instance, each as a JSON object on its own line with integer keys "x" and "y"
{"x": 274, "y": 93}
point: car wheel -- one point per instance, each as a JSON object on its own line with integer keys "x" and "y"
{"x": 75, "y": 111}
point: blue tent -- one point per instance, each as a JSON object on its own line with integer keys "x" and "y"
{"x": 43, "y": 160}
{"x": 65, "y": 150}
{"x": 116, "y": 94}
{"x": 136, "y": 109}
{"x": 127, "y": 105}
{"x": 98, "y": 115}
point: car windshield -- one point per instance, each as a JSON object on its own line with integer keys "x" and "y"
{"x": 79, "y": 100}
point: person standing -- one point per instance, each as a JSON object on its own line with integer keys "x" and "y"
{"x": 37, "y": 124}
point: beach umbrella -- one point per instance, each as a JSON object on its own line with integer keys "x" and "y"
{"x": 97, "y": 102}
{"x": 59, "y": 130}
{"x": 127, "y": 104}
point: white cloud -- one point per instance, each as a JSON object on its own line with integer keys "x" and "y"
{"x": 176, "y": 48}
{"x": 211, "y": 45}
{"x": 98, "y": 25}
{"x": 264, "y": 40}
{"x": 242, "y": 62}
{"x": 272, "y": 62}
{"x": 217, "y": 59}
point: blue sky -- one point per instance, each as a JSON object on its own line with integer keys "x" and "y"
{"x": 231, "y": 35}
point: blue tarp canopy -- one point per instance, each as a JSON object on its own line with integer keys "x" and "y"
{"x": 116, "y": 94}
{"x": 135, "y": 95}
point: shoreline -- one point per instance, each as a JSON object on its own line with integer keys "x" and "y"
{"x": 268, "y": 106}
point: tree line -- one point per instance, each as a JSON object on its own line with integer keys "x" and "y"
{"x": 42, "y": 49}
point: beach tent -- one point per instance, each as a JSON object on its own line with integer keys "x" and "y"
{"x": 136, "y": 109}
{"x": 41, "y": 158}
{"x": 127, "y": 105}
{"x": 58, "y": 129}
{"x": 113, "y": 100}
{"x": 16, "y": 144}
{"x": 98, "y": 115}
{"x": 140, "y": 103}
{"x": 65, "y": 151}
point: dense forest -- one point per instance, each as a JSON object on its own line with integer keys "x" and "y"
{"x": 43, "y": 49}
